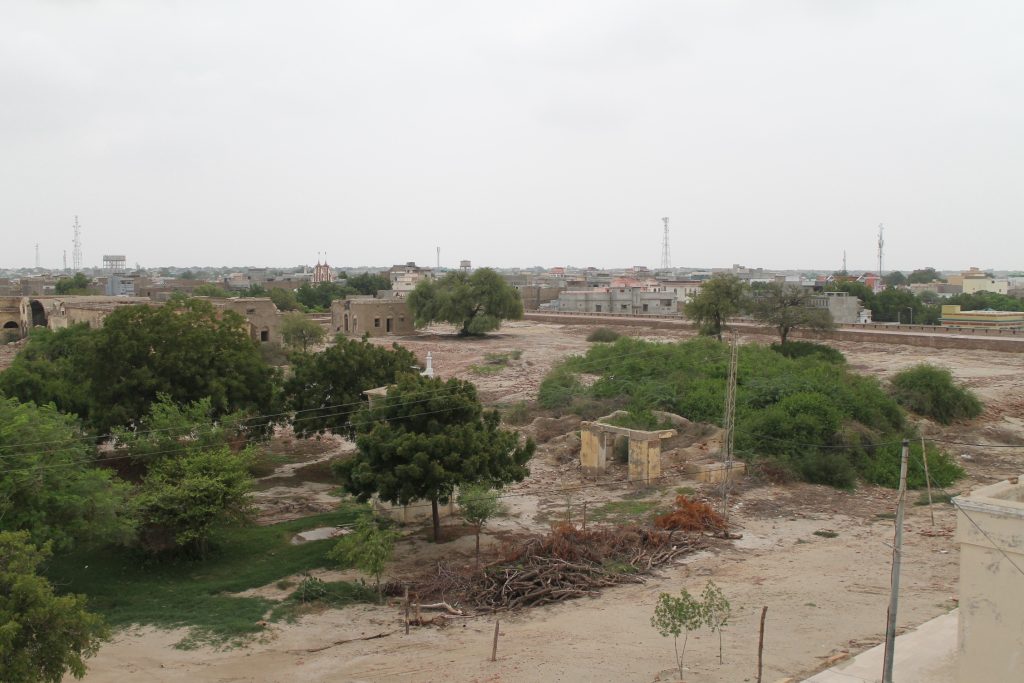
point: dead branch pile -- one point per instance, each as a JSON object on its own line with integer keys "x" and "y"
{"x": 567, "y": 563}
{"x": 692, "y": 515}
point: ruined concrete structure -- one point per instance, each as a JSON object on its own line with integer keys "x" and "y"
{"x": 990, "y": 531}
{"x": 358, "y": 315}
{"x": 597, "y": 442}
{"x": 260, "y": 312}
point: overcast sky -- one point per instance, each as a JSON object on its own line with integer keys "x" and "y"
{"x": 772, "y": 133}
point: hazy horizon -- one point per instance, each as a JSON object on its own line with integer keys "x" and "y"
{"x": 259, "y": 132}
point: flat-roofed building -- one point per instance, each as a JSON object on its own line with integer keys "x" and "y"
{"x": 952, "y": 316}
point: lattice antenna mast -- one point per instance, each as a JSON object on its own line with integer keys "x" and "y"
{"x": 37, "y": 254}
{"x": 881, "y": 244}
{"x": 76, "y": 254}
{"x": 729, "y": 423}
{"x": 844, "y": 262}
{"x": 666, "y": 254}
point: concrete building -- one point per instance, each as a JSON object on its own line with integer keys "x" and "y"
{"x": 844, "y": 308}
{"x": 685, "y": 290}
{"x": 358, "y": 315}
{"x": 405, "y": 278}
{"x": 632, "y": 300}
{"x": 990, "y": 531}
{"x": 976, "y": 280}
{"x": 952, "y": 316}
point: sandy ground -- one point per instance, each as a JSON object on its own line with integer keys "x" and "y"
{"x": 824, "y": 595}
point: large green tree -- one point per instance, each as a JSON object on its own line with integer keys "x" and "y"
{"x": 42, "y": 636}
{"x": 299, "y": 332}
{"x": 923, "y": 276}
{"x": 49, "y": 486}
{"x": 285, "y": 299}
{"x": 369, "y": 283}
{"x": 169, "y": 430}
{"x": 426, "y": 438}
{"x": 77, "y": 284}
{"x": 53, "y": 368}
{"x": 787, "y": 307}
{"x": 475, "y": 303}
{"x": 325, "y": 388}
{"x": 183, "y": 499}
{"x": 719, "y": 299}
{"x": 187, "y": 351}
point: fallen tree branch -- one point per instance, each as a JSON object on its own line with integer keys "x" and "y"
{"x": 342, "y": 642}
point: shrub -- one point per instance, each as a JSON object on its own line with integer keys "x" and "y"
{"x": 885, "y": 468}
{"x": 804, "y": 349}
{"x": 931, "y": 391}
{"x": 603, "y": 334}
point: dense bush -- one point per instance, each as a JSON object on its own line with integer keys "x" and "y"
{"x": 801, "y": 349}
{"x": 931, "y": 391}
{"x": 885, "y": 468}
{"x": 603, "y": 334}
{"x": 807, "y": 417}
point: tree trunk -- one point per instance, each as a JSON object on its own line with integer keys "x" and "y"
{"x": 783, "y": 333}
{"x": 437, "y": 519}
{"x": 478, "y": 547}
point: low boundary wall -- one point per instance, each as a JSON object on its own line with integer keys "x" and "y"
{"x": 908, "y": 335}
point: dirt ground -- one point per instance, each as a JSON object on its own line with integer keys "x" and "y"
{"x": 825, "y": 595}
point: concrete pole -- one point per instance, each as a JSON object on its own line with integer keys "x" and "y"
{"x": 897, "y": 552}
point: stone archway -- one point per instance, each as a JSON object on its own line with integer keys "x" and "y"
{"x": 38, "y": 313}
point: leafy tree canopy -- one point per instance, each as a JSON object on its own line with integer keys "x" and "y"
{"x": 299, "y": 332}
{"x": 325, "y": 388}
{"x": 475, "y": 303}
{"x": 53, "y": 368}
{"x": 183, "y": 499}
{"x": 285, "y": 299}
{"x": 318, "y": 297}
{"x": 427, "y": 437}
{"x": 719, "y": 299}
{"x": 923, "y": 276}
{"x": 48, "y": 485}
{"x": 894, "y": 279}
{"x": 787, "y": 307}
{"x": 931, "y": 391}
{"x": 187, "y": 352}
{"x": 42, "y": 636}
{"x": 369, "y": 283}
{"x": 169, "y": 430}
{"x": 77, "y": 284}
{"x": 986, "y": 300}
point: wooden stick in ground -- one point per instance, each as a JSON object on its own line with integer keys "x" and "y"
{"x": 419, "y": 620}
{"x": 927, "y": 480}
{"x": 760, "y": 644}
{"x": 584, "y": 515}
{"x": 406, "y": 609}
{"x": 494, "y": 647}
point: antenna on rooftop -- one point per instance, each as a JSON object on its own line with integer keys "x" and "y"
{"x": 881, "y": 243}
{"x": 666, "y": 257}
{"x": 76, "y": 254}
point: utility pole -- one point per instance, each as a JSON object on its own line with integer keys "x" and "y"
{"x": 37, "y": 254}
{"x": 730, "y": 424}
{"x": 897, "y": 558}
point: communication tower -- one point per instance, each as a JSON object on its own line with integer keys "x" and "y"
{"x": 666, "y": 255}
{"x": 76, "y": 254}
{"x": 881, "y": 243}
{"x": 37, "y": 254}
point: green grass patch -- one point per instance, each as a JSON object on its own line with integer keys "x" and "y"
{"x": 314, "y": 594}
{"x": 937, "y": 499}
{"x": 619, "y": 511}
{"x": 826, "y": 533}
{"x": 126, "y": 590}
{"x": 264, "y": 463}
{"x": 485, "y": 370}
{"x": 685, "y": 490}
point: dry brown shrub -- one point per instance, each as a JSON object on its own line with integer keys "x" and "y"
{"x": 691, "y": 515}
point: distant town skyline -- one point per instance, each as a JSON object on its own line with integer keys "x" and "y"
{"x": 772, "y": 134}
